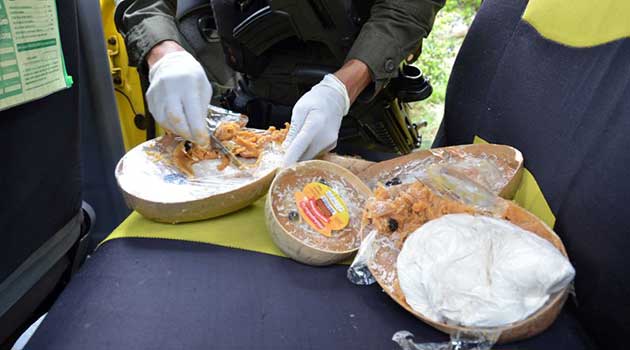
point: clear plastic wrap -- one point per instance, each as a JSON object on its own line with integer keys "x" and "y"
{"x": 479, "y": 271}
{"x": 446, "y": 181}
{"x": 148, "y": 172}
{"x": 359, "y": 272}
{"x": 217, "y": 115}
{"x": 286, "y": 211}
{"x": 481, "y": 339}
{"x": 437, "y": 192}
{"x": 484, "y": 168}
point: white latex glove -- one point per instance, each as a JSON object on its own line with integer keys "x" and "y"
{"x": 316, "y": 120}
{"x": 179, "y": 94}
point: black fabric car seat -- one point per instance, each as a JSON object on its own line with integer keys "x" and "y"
{"x": 142, "y": 293}
{"x": 58, "y": 150}
{"x": 40, "y": 186}
{"x": 553, "y": 80}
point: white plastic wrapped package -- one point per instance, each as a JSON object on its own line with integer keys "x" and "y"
{"x": 479, "y": 271}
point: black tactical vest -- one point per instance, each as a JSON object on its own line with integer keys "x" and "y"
{"x": 252, "y": 30}
{"x": 284, "y": 47}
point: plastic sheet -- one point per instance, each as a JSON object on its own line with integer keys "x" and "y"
{"x": 481, "y": 339}
{"x": 445, "y": 180}
{"x": 359, "y": 272}
{"x": 217, "y": 115}
{"x": 285, "y": 208}
{"x": 411, "y": 206}
{"x": 484, "y": 169}
{"x": 479, "y": 271}
{"x": 148, "y": 171}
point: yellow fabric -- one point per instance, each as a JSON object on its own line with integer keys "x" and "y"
{"x": 244, "y": 229}
{"x": 580, "y": 23}
{"x": 530, "y": 196}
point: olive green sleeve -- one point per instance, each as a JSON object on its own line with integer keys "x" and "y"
{"x": 393, "y": 33}
{"x": 144, "y": 24}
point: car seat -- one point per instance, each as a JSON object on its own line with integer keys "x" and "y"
{"x": 182, "y": 293}
{"x": 553, "y": 80}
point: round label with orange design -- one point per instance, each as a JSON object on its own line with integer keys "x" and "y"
{"x": 322, "y": 208}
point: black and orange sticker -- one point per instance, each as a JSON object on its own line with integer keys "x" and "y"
{"x": 322, "y": 208}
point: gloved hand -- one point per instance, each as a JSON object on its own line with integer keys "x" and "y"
{"x": 316, "y": 120}
{"x": 179, "y": 94}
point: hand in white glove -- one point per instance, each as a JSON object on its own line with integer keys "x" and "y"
{"x": 179, "y": 94}
{"x": 316, "y": 120}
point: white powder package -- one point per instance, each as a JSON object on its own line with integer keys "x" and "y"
{"x": 479, "y": 271}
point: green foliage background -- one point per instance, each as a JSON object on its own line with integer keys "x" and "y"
{"x": 438, "y": 55}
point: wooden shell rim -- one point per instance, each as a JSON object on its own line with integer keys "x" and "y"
{"x": 291, "y": 245}
{"x": 510, "y": 157}
{"x": 529, "y": 327}
{"x": 217, "y": 204}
